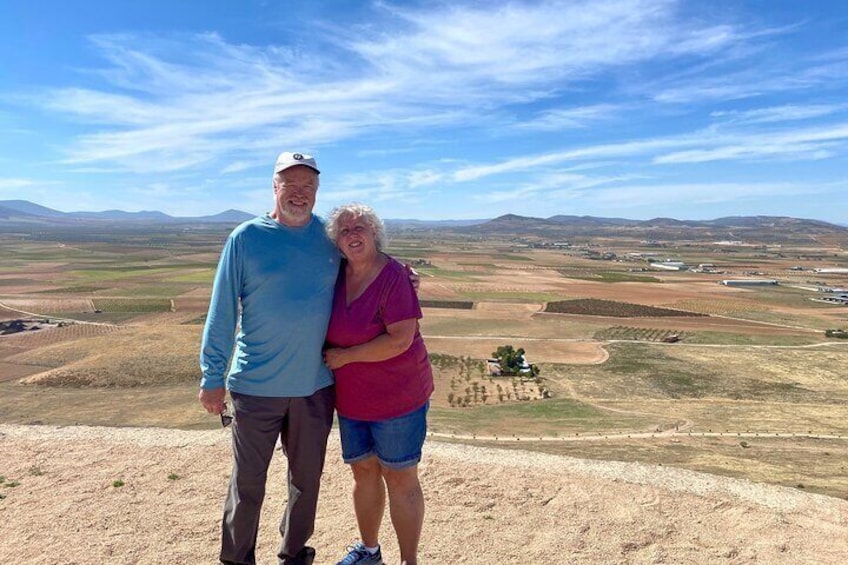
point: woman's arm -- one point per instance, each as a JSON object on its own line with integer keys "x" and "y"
{"x": 396, "y": 340}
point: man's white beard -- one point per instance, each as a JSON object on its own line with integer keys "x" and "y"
{"x": 295, "y": 214}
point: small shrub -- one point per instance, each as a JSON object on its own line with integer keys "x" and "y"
{"x": 456, "y": 304}
{"x": 118, "y": 483}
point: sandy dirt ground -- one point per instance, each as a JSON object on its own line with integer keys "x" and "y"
{"x": 513, "y": 309}
{"x": 483, "y": 506}
{"x": 538, "y": 350}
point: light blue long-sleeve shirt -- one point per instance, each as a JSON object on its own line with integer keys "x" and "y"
{"x": 282, "y": 280}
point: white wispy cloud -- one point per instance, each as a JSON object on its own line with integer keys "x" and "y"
{"x": 425, "y": 177}
{"x": 18, "y": 183}
{"x": 177, "y": 102}
{"x": 682, "y": 200}
{"x": 542, "y": 160}
{"x": 556, "y": 186}
{"x": 699, "y": 146}
{"x": 238, "y": 166}
{"x": 571, "y": 118}
{"x": 749, "y": 79}
{"x": 811, "y": 143}
{"x": 514, "y": 102}
{"x": 785, "y": 113}
{"x": 667, "y": 195}
{"x": 536, "y": 43}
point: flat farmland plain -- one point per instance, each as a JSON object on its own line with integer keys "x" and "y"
{"x": 753, "y": 388}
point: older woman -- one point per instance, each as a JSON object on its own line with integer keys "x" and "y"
{"x": 383, "y": 383}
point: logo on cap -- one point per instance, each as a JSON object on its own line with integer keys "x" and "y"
{"x": 297, "y": 157}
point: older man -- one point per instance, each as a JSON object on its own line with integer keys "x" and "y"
{"x": 274, "y": 283}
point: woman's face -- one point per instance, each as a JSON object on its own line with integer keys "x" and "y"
{"x": 357, "y": 240}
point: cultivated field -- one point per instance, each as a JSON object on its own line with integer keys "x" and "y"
{"x": 751, "y": 387}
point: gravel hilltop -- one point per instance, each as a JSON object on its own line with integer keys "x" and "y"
{"x": 483, "y": 505}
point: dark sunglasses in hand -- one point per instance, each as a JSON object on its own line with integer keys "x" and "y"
{"x": 226, "y": 416}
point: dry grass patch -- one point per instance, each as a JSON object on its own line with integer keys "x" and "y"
{"x": 723, "y": 306}
{"x": 50, "y": 305}
{"x": 536, "y": 350}
{"x": 202, "y": 293}
{"x": 165, "y": 319}
{"x": 777, "y": 461}
{"x": 11, "y": 371}
{"x": 641, "y": 334}
{"x": 820, "y": 368}
{"x": 9, "y": 350}
{"x": 52, "y": 336}
{"x": 510, "y": 323}
{"x": 8, "y": 314}
{"x": 136, "y": 356}
{"x": 510, "y": 308}
{"x": 768, "y": 419}
{"x": 688, "y": 324}
{"x": 188, "y": 302}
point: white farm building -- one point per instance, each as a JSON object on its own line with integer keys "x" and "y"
{"x": 749, "y": 282}
{"x": 669, "y": 265}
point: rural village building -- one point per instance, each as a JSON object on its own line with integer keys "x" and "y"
{"x": 749, "y": 282}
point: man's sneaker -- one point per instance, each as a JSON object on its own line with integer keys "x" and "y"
{"x": 358, "y": 555}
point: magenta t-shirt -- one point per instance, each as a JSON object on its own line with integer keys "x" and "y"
{"x": 382, "y": 389}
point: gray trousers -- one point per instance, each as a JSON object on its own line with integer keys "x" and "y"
{"x": 302, "y": 424}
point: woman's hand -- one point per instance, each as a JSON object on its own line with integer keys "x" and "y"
{"x": 396, "y": 340}
{"x": 335, "y": 357}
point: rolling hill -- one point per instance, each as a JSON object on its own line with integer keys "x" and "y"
{"x": 25, "y": 212}
{"x": 750, "y": 229}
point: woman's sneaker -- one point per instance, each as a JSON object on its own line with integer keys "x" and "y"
{"x": 358, "y": 555}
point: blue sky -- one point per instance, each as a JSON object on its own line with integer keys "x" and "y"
{"x": 434, "y": 110}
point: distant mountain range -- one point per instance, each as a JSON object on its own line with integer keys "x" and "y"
{"x": 25, "y": 212}
{"x": 721, "y": 224}
{"x": 767, "y": 229}
{"x": 749, "y": 229}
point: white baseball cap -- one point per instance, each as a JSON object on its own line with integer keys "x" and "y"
{"x": 287, "y": 159}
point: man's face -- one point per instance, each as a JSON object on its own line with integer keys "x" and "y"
{"x": 295, "y": 195}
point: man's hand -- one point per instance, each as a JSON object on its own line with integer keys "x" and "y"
{"x": 212, "y": 399}
{"x": 414, "y": 277}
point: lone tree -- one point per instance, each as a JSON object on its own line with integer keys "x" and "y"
{"x": 511, "y": 360}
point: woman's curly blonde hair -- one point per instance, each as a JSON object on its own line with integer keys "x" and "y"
{"x": 356, "y": 210}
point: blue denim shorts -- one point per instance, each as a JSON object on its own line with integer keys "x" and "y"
{"x": 396, "y": 442}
